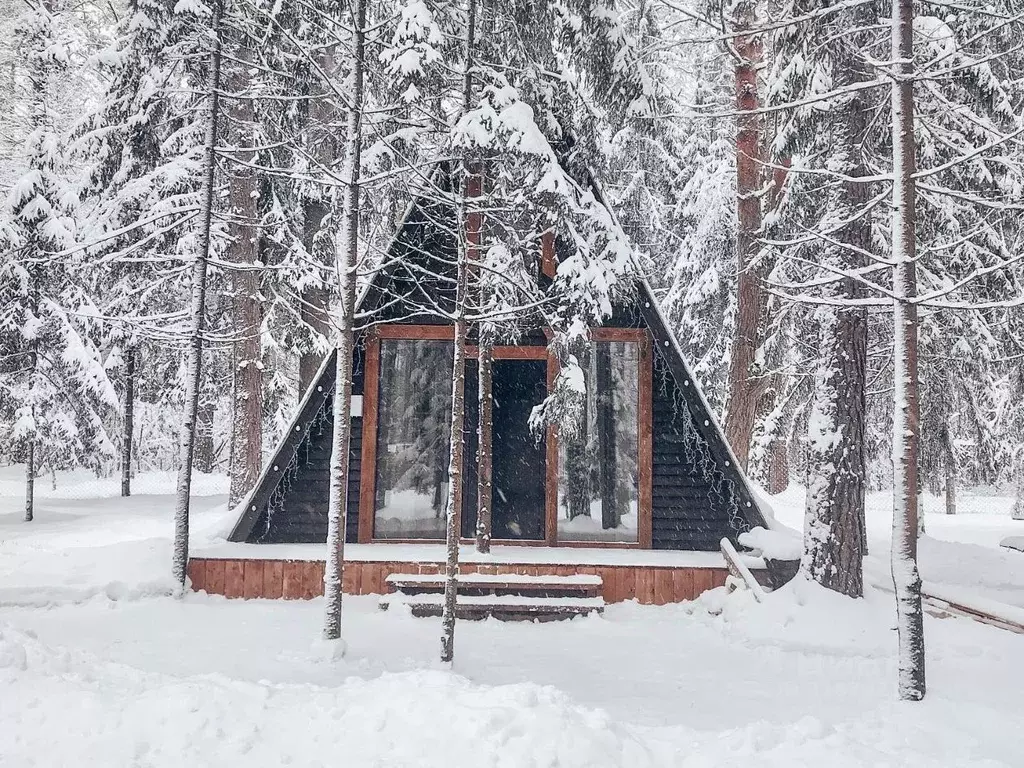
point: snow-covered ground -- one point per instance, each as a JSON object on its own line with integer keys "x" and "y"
{"x": 99, "y": 666}
{"x": 959, "y": 550}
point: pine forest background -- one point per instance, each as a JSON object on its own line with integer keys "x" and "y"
{"x": 745, "y": 146}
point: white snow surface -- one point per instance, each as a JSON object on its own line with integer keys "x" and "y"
{"x": 781, "y": 544}
{"x": 1013, "y": 542}
{"x": 99, "y": 666}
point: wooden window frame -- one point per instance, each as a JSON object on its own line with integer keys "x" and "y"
{"x": 645, "y": 426}
{"x": 371, "y": 395}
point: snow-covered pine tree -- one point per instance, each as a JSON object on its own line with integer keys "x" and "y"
{"x": 826, "y": 228}
{"x": 52, "y": 382}
{"x": 245, "y": 251}
{"x": 745, "y": 375}
{"x": 141, "y": 149}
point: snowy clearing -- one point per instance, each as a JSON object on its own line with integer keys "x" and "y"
{"x": 86, "y": 627}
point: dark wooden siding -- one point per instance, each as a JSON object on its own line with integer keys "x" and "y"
{"x": 297, "y": 510}
{"x": 692, "y": 500}
{"x": 692, "y": 506}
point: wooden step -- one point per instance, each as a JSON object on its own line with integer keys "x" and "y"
{"x": 500, "y": 585}
{"x": 503, "y": 608}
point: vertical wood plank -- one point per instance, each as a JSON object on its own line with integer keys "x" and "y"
{"x": 627, "y": 582}
{"x": 644, "y": 586}
{"x": 701, "y": 581}
{"x": 291, "y": 580}
{"x": 253, "y": 579}
{"x": 357, "y": 578}
{"x": 368, "y": 461}
{"x": 682, "y": 584}
{"x": 376, "y": 586}
{"x": 718, "y": 577}
{"x": 662, "y": 586}
{"x": 609, "y": 584}
{"x": 234, "y": 578}
{"x": 350, "y": 578}
{"x": 197, "y": 574}
{"x": 273, "y": 578}
{"x": 215, "y": 577}
{"x": 313, "y": 582}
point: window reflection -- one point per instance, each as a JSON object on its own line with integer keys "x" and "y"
{"x": 413, "y": 427}
{"x": 598, "y": 480}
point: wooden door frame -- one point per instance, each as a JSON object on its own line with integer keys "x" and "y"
{"x": 371, "y": 395}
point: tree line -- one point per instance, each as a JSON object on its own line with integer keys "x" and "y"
{"x": 826, "y": 195}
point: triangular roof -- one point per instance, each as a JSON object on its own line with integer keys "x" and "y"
{"x": 664, "y": 341}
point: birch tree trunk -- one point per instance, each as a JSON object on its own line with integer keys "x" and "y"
{"x": 337, "y": 507}
{"x": 197, "y": 309}
{"x": 906, "y": 417}
{"x": 742, "y": 407}
{"x": 129, "y": 421}
{"x": 468, "y": 235}
{"x": 485, "y": 435}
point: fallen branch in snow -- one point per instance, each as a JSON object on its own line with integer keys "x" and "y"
{"x": 954, "y": 601}
{"x": 958, "y": 603}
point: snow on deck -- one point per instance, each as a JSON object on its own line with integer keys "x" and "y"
{"x": 499, "y": 555}
{"x": 502, "y": 600}
{"x": 579, "y": 580}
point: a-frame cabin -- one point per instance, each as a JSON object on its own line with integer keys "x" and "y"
{"x": 643, "y": 500}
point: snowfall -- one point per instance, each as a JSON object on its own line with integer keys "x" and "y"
{"x": 100, "y": 665}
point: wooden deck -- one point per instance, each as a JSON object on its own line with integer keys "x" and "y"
{"x": 294, "y": 579}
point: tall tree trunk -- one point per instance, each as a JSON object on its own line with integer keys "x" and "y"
{"x": 33, "y": 362}
{"x": 129, "y": 421}
{"x": 485, "y": 436}
{"x": 30, "y": 481}
{"x": 313, "y": 300}
{"x": 906, "y": 418}
{"x": 317, "y": 231}
{"x": 1018, "y": 502}
{"x": 469, "y": 233}
{"x": 836, "y": 457}
{"x": 837, "y": 461}
{"x": 247, "y": 310}
{"x": 742, "y": 407}
{"x": 205, "y": 448}
{"x": 455, "y": 460}
{"x": 197, "y": 312}
{"x": 778, "y": 466}
{"x": 337, "y": 507}
{"x": 949, "y": 465}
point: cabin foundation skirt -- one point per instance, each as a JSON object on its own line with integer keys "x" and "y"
{"x": 304, "y": 579}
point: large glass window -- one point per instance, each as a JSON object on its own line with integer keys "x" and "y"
{"x": 413, "y": 428}
{"x": 598, "y": 484}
